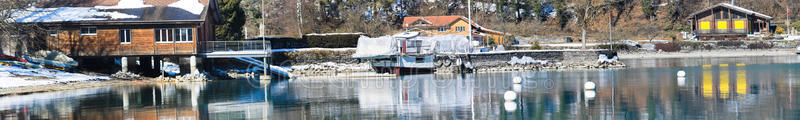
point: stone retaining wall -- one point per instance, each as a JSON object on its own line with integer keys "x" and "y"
{"x": 314, "y": 57}
{"x": 499, "y": 60}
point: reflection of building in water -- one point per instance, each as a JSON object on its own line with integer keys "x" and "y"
{"x": 724, "y": 81}
{"x": 723, "y": 88}
{"x": 741, "y": 79}
{"x": 708, "y": 82}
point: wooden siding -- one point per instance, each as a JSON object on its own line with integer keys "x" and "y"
{"x": 107, "y": 42}
{"x": 708, "y": 25}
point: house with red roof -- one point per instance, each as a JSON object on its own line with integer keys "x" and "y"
{"x": 457, "y": 25}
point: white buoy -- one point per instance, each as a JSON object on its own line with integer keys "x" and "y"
{"x": 517, "y": 80}
{"x": 510, "y": 106}
{"x": 681, "y": 73}
{"x": 517, "y": 87}
{"x": 589, "y": 94}
{"x": 510, "y": 96}
{"x": 589, "y": 85}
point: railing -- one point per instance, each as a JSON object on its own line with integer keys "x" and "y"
{"x": 154, "y": 50}
{"x": 226, "y": 46}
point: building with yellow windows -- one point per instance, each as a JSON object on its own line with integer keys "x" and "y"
{"x": 728, "y": 22}
{"x": 456, "y": 25}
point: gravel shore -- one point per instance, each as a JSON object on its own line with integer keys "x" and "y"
{"x": 707, "y": 53}
{"x": 68, "y": 86}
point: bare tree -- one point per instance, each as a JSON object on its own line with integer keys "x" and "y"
{"x": 15, "y": 36}
{"x": 586, "y": 11}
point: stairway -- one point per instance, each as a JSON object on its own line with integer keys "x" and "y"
{"x": 274, "y": 70}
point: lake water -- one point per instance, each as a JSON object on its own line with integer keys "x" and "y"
{"x": 714, "y": 88}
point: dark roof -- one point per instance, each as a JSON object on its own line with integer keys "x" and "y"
{"x": 733, "y": 7}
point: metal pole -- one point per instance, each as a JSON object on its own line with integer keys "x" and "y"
{"x": 469, "y": 16}
{"x": 610, "y": 28}
{"x": 264, "y": 39}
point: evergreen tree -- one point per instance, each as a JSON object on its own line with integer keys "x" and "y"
{"x": 233, "y": 18}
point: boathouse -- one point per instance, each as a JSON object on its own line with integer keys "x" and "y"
{"x": 728, "y": 22}
{"x": 146, "y": 31}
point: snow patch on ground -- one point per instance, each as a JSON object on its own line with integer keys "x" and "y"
{"x": 126, "y": 4}
{"x": 64, "y": 14}
{"x": 332, "y": 66}
{"x": 525, "y": 60}
{"x": 18, "y": 77}
{"x": 192, "y": 6}
{"x": 604, "y": 58}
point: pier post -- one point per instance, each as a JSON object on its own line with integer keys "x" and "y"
{"x": 193, "y": 65}
{"x": 124, "y": 64}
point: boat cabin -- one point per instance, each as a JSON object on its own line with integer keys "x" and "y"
{"x": 728, "y": 22}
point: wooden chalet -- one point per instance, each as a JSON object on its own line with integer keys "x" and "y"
{"x": 126, "y": 27}
{"x": 728, "y": 22}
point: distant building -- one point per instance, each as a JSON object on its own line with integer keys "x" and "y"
{"x": 725, "y": 21}
{"x": 458, "y": 25}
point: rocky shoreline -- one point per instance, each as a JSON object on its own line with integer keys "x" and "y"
{"x": 69, "y": 86}
{"x": 707, "y": 53}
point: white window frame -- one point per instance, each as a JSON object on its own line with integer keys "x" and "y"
{"x": 86, "y": 34}
{"x": 53, "y": 33}
{"x": 184, "y": 39}
{"x": 460, "y": 29}
{"x": 164, "y": 36}
{"x": 443, "y": 29}
{"x": 127, "y": 36}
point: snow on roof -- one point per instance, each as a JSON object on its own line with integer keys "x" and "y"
{"x": 126, "y": 4}
{"x": 733, "y": 7}
{"x": 65, "y": 14}
{"x": 193, "y": 6}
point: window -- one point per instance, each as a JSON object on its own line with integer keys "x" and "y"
{"x": 183, "y": 35}
{"x": 53, "y": 33}
{"x": 124, "y": 36}
{"x": 724, "y": 14}
{"x": 443, "y": 29}
{"x": 460, "y": 29}
{"x": 88, "y": 30}
{"x": 163, "y": 35}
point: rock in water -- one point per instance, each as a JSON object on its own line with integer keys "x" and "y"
{"x": 126, "y": 75}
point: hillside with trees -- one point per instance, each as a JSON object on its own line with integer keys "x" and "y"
{"x": 631, "y": 19}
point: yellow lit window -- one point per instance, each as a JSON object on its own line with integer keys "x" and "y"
{"x": 738, "y": 24}
{"x": 705, "y": 25}
{"x": 722, "y": 25}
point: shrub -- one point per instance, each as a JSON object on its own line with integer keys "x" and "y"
{"x": 535, "y": 45}
{"x": 780, "y": 30}
{"x": 668, "y": 47}
{"x": 688, "y": 44}
{"x": 730, "y": 43}
{"x": 622, "y": 47}
{"x": 332, "y": 41}
{"x": 759, "y": 45}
